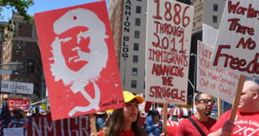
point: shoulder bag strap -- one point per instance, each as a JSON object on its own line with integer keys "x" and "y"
{"x": 196, "y": 126}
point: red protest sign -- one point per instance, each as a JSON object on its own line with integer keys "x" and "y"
{"x": 18, "y": 103}
{"x": 43, "y": 126}
{"x": 79, "y": 60}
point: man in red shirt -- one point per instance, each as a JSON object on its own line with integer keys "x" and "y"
{"x": 247, "y": 116}
{"x": 204, "y": 104}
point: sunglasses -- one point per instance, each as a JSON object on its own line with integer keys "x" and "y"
{"x": 206, "y": 101}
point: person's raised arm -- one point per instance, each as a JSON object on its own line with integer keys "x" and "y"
{"x": 226, "y": 130}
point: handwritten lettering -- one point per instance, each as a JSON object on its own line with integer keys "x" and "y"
{"x": 204, "y": 53}
{"x": 167, "y": 81}
{"x": 204, "y": 63}
{"x": 202, "y": 72}
{"x": 174, "y": 13}
{"x": 236, "y": 63}
{"x": 239, "y": 28}
{"x": 204, "y": 82}
{"x": 238, "y": 9}
{"x": 167, "y": 92}
{"x": 167, "y": 50}
{"x": 169, "y": 70}
{"x": 225, "y": 89}
{"x": 249, "y": 43}
{"x": 163, "y": 42}
{"x": 168, "y": 57}
{"x": 169, "y": 29}
{"x": 112, "y": 102}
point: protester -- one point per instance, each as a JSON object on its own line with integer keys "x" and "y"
{"x": 187, "y": 127}
{"x": 153, "y": 124}
{"x": 124, "y": 121}
{"x": 171, "y": 128}
{"x": 5, "y": 117}
{"x": 100, "y": 120}
{"x": 18, "y": 119}
{"x": 247, "y": 117}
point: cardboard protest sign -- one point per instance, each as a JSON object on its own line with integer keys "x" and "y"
{"x": 13, "y": 131}
{"x": 237, "y": 47}
{"x": 18, "y": 103}
{"x": 214, "y": 80}
{"x": 167, "y": 51}
{"x": 79, "y": 60}
{"x": 209, "y": 35}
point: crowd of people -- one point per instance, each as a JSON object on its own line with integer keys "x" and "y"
{"x": 127, "y": 120}
{"x": 130, "y": 121}
{"x": 16, "y": 118}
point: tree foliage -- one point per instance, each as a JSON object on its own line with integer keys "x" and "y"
{"x": 19, "y": 6}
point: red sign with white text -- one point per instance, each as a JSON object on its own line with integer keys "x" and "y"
{"x": 17, "y": 103}
{"x": 79, "y": 60}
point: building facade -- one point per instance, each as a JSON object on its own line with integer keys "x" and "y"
{"x": 133, "y": 35}
{"x": 132, "y": 53}
{"x": 212, "y": 13}
{"x": 208, "y": 12}
{"x": 22, "y": 56}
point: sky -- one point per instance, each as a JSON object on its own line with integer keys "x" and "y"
{"x": 45, "y": 5}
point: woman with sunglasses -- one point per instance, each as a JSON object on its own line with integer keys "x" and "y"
{"x": 199, "y": 123}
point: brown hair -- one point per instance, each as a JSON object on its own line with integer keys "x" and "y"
{"x": 114, "y": 124}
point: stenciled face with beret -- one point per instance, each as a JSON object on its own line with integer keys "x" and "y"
{"x": 79, "y": 48}
{"x": 80, "y": 53}
{"x": 74, "y": 44}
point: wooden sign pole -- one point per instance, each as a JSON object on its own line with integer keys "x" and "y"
{"x": 238, "y": 94}
{"x": 236, "y": 100}
{"x": 92, "y": 125}
{"x": 219, "y": 102}
{"x": 165, "y": 117}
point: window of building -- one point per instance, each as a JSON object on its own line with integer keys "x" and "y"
{"x": 215, "y": 7}
{"x": 138, "y": 9}
{"x": 136, "y": 46}
{"x": 214, "y": 19}
{"x": 135, "y": 59}
{"x": 24, "y": 30}
{"x": 133, "y": 83}
{"x": 134, "y": 71}
{"x": 136, "y": 34}
{"x": 137, "y": 22}
{"x": 30, "y": 65}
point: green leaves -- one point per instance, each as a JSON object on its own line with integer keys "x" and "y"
{"x": 19, "y": 6}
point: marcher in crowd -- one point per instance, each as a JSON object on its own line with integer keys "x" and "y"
{"x": 153, "y": 124}
{"x": 247, "y": 117}
{"x": 18, "y": 119}
{"x": 199, "y": 123}
{"x": 100, "y": 120}
{"x": 124, "y": 121}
